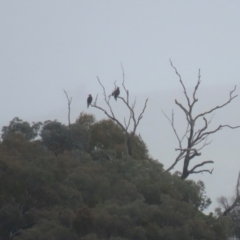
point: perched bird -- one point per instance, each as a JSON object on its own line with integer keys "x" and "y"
{"x": 89, "y": 100}
{"x": 115, "y": 93}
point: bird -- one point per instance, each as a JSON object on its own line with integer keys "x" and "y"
{"x": 115, "y": 93}
{"x": 89, "y": 100}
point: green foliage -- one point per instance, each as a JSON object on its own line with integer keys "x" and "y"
{"x": 83, "y": 221}
{"x": 58, "y": 137}
{"x": 54, "y": 135}
{"x": 232, "y": 219}
{"x": 107, "y": 135}
{"x": 18, "y": 126}
{"x": 97, "y": 193}
{"x": 201, "y": 201}
{"x": 86, "y": 120}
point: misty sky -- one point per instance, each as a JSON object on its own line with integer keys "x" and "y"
{"x": 47, "y": 46}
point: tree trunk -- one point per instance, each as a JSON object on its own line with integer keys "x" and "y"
{"x": 129, "y": 144}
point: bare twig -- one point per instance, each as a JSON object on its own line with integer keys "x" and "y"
{"x": 173, "y": 127}
{"x": 221, "y": 106}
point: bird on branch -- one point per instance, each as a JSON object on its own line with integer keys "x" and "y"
{"x": 89, "y": 100}
{"x": 116, "y": 93}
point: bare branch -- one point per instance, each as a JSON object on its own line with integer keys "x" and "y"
{"x": 205, "y": 126}
{"x": 186, "y": 149}
{"x": 204, "y": 144}
{"x": 180, "y": 79}
{"x": 134, "y": 104}
{"x": 111, "y": 116}
{"x": 186, "y": 132}
{"x": 123, "y": 84}
{"x": 196, "y": 87}
{"x": 200, "y": 165}
{"x": 106, "y": 99}
{"x": 136, "y": 121}
{"x": 204, "y": 170}
{"x": 104, "y": 92}
{"x": 115, "y": 85}
{"x": 184, "y": 109}
{"x": 177, "y": 159}
{"x": 141, "y": 114}
{"x": 217, "y": 129}
{"x": 95, "y": 101}
{"x": 221, "y": 106}
{"x": 199, "y": 132}
{"x": 69, "y": 106}
{"x": 129, "y": 121}
{"x": 173, "y": 127}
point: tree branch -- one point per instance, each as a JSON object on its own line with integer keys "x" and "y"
{"x": 173, "y": 127}
{"x": 200, "y": 165}
{"x": 112, "y": 116}
{"x": 69, "y": 106}
{"x": 180, "y": 79}
{"x": 123, "y": 84}
{"x": 201, "y": 171}
{"x": 218, "y": 107}
{"x": 217, "y": 129}
{"x": 177, "y": 159}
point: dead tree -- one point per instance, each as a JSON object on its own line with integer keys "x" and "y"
{"x": 132, "y": 120}
{"x": 195, "y": 139}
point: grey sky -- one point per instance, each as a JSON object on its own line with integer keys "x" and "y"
{"x": 48, "y": 46}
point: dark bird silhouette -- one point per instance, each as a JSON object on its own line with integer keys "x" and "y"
{"x": 89, "y": 100}
{"x": 115, "y": 93}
